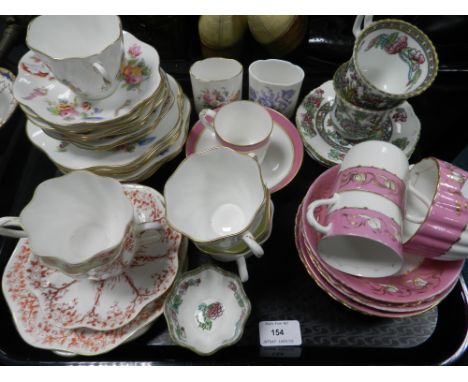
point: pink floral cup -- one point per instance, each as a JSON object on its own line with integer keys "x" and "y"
{"x": 436, "y": 219}
{"x": 362, "y": 235}
{"x": 215, "y": 82}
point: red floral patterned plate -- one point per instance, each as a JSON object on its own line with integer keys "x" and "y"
{"x": 114, "y": 302}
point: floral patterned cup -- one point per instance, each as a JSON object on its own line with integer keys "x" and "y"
{"x": 275, "y": 84}
{"x": 362, "y": 235}
{"x": 392, "y": 61}
{"x": 85, "y": 53}
{"x": 216, "y": 82}
{"x": 352, "y": 122}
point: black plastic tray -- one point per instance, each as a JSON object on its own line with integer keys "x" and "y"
{"x": 279, "y": 289}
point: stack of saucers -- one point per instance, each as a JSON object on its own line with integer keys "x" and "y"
{"x": 420, "y": 285}
{"x": 127, "y": 135}
{"x": 83, "y": 315}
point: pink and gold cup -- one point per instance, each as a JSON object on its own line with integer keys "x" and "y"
{"x": 362, "y": 232}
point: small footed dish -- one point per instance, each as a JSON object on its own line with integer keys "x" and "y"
{"x": 207, "y": 310}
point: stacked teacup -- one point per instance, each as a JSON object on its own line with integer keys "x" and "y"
{"x": 392, "y": 61}
{"x": 372, "y": 230}
{"x": 94, "y": 96}
{"x": 218, "y": 199}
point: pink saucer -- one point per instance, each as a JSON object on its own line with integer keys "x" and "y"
{"x": 330, "y": 290}
{"x": 283, "y": 158}
{"x": 427, "y": 281}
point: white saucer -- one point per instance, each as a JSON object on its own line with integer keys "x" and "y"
{"x": 283, "y": 158}
{"x": 38, "y": 90}
{"x": 7, "y": 100}
{"x": 323, "y": 143}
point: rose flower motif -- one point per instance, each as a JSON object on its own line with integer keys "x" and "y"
{"x": 397, "y": 46}
{"x": 416, "y": 56}
{"x": 214, "y": 310}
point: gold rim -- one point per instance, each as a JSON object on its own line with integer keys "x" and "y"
{"x": 193, "y": 75}
{"x": 430, "y": 48}
{"x": 266, "y": 196}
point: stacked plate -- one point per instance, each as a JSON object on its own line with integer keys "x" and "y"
{"x": 55, "y": 312}
{"x": 127, "y": 135}
{"x": 418, "y": 287}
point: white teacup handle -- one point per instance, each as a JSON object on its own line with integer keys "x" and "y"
{"x": 97, "y": 66}
{"x": 256, "y": 248}
{"x": 310, "y": 213}
{"x": 207, "y": 113}
{"x": 242, "y": 269}
{"x": 12, "y": 221}
{"x": 359, "y": 25}
{"x": 423, "y": 200}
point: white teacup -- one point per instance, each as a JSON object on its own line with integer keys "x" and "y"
{"x": 216, "y": 82}
{"x": 243, "y": 126}
{"x": 85, "y": 53}
{"x": 276, "y": 84}
{"x": 363, "y": 231}
{"x": 214, "y": 198}
{"x": 79, "y": 224}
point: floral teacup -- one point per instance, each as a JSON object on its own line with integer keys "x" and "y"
{"x": 392, "y": 61}
{"x": 275, "y": 84}
{"x": 216, "y": 82}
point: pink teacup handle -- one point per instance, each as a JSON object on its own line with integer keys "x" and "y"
{"x": 310, "y": 213}
{"x": 98, "y": 68}
{"x": 423, "y": 200}
{"x": 361, "y": 23}
{"x": 203, "y": 118}
{"x": 256, "y": 248}
{"x": 12, "y": 221}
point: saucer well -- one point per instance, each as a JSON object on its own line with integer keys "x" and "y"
{"x": 421, "y": 282}
{"x": 37, "y": 89}
{"x": 114, "y": 302}
{"x": 206, "y": 310}
{"x": 7, "y": 100}
{"x": 326, "y": 146}
{"x": 283, "y": 158}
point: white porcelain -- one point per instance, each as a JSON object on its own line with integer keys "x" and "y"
{"x": 207, "y": 310}
{"x": 325, "y": 145}
{"x": 76, "y": 221}
{"x": 243, "y": 126}
{"x": 113, "y": 303}
{"x": 38, "y": 331}
{"x": 7, "y": 100}
{"x": 85, "y": 53}
{"x": 214, "y": 196}
{"x": 276, "y": 84}
{"x": 365, "y": 214}
{"x": 74, "y": 158}
{"x": 215, "y": 82}
{"x": 40, "y": 91}
{"x": 241, "y": 257}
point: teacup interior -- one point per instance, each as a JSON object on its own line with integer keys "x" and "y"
{"x": 276, "y": 72}
{"x": 243, "y": 123}
{"x": 63, "y": 37}
{"x": 77, "y": 218}
{"x": 213, "y": 196}
{"x": 424, "y": 177}
{"x": 216, "y": 69}
{"x": 392, "y": 61}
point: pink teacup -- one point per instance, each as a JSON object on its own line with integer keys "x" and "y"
{"x": 362, "y": 235}
{"x": 437, "y": 211}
